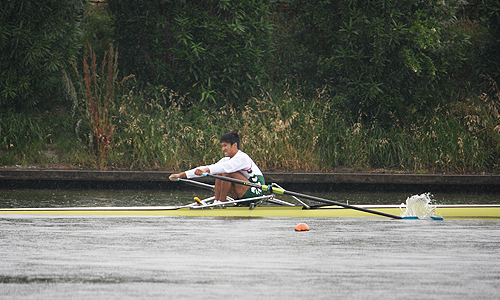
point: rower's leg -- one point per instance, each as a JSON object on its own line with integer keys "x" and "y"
{"x": 238, "y": 190}
{"x": 223, "y": 188}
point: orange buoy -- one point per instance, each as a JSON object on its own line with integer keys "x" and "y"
{"x": 302, "y": 227}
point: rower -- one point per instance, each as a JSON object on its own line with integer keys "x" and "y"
{"x": 235, "y": 164}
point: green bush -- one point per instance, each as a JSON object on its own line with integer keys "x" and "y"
{"x": 38, "y": 39}
{"x": 489, "y": 14}
{"x": 479, "y": 20}
{"x": 382, "y": 60}
{"x": 213, "y": 50}
{"x": 97, "y": 28}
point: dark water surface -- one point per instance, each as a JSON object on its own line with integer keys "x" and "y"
{"x": 69, "y": 198}
{"x": 58, "y": 257}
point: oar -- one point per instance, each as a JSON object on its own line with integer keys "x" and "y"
{"x": 271, "y": 189}
{"x": 196, "y": 183}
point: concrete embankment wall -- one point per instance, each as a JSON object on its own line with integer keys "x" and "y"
{"x": 71, "y": 179}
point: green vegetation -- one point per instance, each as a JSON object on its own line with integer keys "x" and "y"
{"x": 37, "y": 40}
{"x": 282, "y": 131}
{"x": 213, "y": 49}
{"x": 399, "y": 86}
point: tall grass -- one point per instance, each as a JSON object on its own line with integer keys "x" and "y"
{"x": 281, "y": 129}
{"x": 436, "y": 142}
{"x": 21, "y": 138}
{"x": 99, "y": 96}
{"x": 184, "y": 135}
{"x": 100, "y": 91}
{"x": 42, "y": 139}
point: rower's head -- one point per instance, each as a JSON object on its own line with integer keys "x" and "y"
{"x": 231, "y": 138}
{"x": 230, "y": 143}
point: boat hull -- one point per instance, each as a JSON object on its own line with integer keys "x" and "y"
{"x": 445, "y": 211}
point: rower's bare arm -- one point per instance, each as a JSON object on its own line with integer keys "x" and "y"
{"x": 200, "y": 171}
{"x": 177, "y": 175}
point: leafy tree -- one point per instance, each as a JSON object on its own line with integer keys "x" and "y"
{"x": 38, "y": 39}
{"x": 479, "y": 21}
{"x": 489, "y": 12}
{"x": 382, "y": 59}
{"x": 97, "y": 28}
{"x": 212, "y": 49}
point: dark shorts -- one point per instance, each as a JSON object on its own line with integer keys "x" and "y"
{"x": 253, "y": 192}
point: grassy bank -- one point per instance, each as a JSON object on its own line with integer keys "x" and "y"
{"x": 282, "y": 130}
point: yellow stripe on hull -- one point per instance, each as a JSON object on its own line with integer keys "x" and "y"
{"x": 476, "y": 211}
{"x": 446, "y": 211}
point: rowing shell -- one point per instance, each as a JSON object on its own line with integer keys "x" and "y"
{"x": 445, "y": 211}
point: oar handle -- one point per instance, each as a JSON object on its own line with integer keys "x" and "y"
{"x": 193, "y": 182}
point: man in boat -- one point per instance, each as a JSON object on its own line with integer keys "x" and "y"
{"x": 235, "y": 164}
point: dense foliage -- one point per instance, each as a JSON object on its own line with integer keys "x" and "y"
{"x": 38, "y": 39}
{"x": 403, "y": 85}
{"x": 213, "y": 49}
{"x": 489, "y": 15}
{"x": 381, "y": 59}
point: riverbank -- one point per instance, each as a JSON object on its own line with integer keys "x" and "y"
{"x": 119, "y": 179}
{"x": 281, "y": 130}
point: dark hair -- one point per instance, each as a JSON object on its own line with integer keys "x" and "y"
{"x": 231, "y": 138}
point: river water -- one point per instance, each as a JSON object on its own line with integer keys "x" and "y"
{"x": 110, "y": 257}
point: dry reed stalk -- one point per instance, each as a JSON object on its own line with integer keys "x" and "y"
{"x": 100, "y": 91}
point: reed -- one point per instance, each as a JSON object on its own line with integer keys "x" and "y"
{"x": 286, "y": 131}
{"x": 99, "y": 94}
{"x": 281, "y": 129}
{"x": 43, "y": 139}
{"x": 21, "y": 138}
